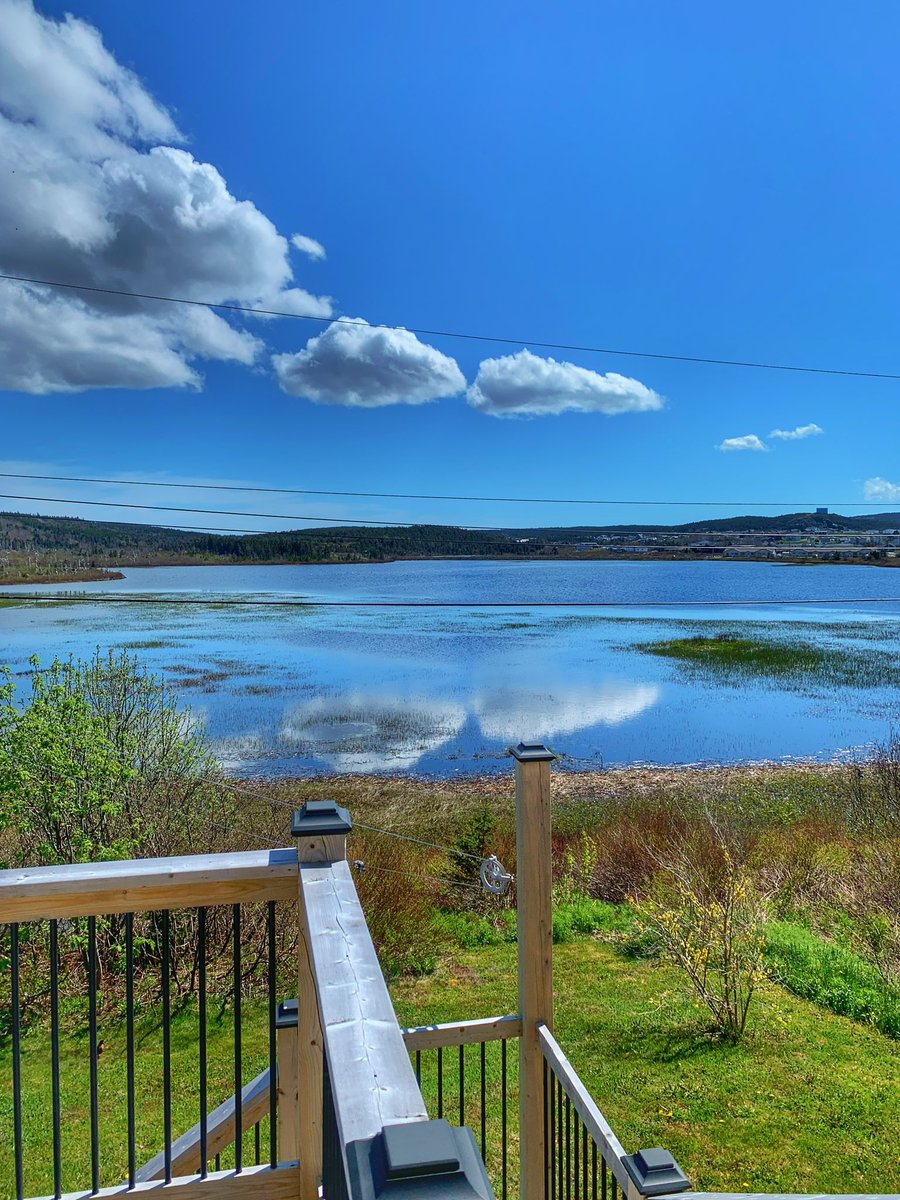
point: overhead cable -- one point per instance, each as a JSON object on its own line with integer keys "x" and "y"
{"x": 448, "y": 333}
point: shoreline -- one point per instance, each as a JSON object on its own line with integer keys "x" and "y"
{"x": 100, "y": 574}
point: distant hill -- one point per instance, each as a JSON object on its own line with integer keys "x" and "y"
{"x": 53, "y": 547}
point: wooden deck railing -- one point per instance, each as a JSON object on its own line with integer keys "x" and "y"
{"x": 348, "y": 1105}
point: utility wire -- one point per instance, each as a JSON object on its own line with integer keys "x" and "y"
{"x": 801, "y": 505}
{"x": 479, "y": 858}
{"x": 472, "y": 337}
{"x": 230, "y": 512}
{"x": 116, "y": 598}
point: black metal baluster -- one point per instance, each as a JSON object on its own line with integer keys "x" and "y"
{"x": 93, "y": 1051}
{"x": 273, "y": 1064}
{"x": 615, "y": 1188}
{"x": 503, "y": 1119}
{"x": 256, "y": 1143}
{"x": 568, "y": 1148}
{"x": 440, "y": 1081}
{"x": 218, "y": 1162}
{"x": 201, "y": 1000}
{"x": 546, "y": 1130}
{"x": 559, "y": 1138}
{"x": 419, "y": 1067}
{"x": 129, "y": 1048}
{"x": 462, "y": 1084}
{"x": 167, "y": 1044}
{"x": 552, "y": 1193}
{"x": 483, "y": 1101}
{"x": 576, "y": 1122}
{"x": 604, "y": 1183}
{"x": 16, "y": 1060}
{"x": 593, "y": 1170}
{"x": 238, "y": 1114}
{"x": 585, "y": 1162}
{"x": 54, "y": 1053}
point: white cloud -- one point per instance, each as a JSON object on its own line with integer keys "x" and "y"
{"x": 796, "y": 435}
{"x": 95, "y": 192}
{"x": 365, "y": 366}
{"x": 881, "y": 489}
{"x": 308, "y": 246}
{"x": 748, "y": 442}
{"x": 503, "y": 714}
{"x": 519, "y": 385}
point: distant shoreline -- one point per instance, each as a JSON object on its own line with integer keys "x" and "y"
{"x": 100, "y": 574}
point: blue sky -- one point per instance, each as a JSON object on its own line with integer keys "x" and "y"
{"x": 691, "y": 179}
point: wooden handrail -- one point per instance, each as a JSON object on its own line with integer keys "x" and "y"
{"x": 371, "y": 1076}
{"x": 596, "y": 1124}
{"x": 220, "y": 1132}
{"x": 462, "y": 1033}
{"x": 147, "y": 884}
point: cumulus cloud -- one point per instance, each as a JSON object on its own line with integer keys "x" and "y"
{"x": 365, "y": 366}
{"x": 796, "y": 435}
{"x": 748, "y": 442}
{"x": 504, "y": 712}
{"x": 524, "y": 385}
{"x": 308, "y": 246}
{"x": 97, "y": 191}
{"x": 881, "y": 489}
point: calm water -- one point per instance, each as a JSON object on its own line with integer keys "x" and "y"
{"x": 443, "y": 691}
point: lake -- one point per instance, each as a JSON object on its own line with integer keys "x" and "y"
{"x": 292, "y": 691}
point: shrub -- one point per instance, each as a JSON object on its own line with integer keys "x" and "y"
{"x": 705, "y": 914}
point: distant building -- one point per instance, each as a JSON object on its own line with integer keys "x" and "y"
{"x": 821, "y": 512}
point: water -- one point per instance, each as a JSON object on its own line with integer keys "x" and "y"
{"x": 288, "y": 691}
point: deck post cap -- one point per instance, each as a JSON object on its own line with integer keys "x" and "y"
{"x": 655, "y": 1172}
{"x": 319, "y": 818}
{"x": 532, "y": 752}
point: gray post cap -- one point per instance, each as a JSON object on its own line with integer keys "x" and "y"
{"x": 655, "y": 1172}
{"x": 424, "y": 1160}
{"x": 527, "y": 752}
{"x": 318, "y": 818}
{"x": 288, "y": 1014}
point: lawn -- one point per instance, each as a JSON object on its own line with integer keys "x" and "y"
{"x": 808, "y": 1103}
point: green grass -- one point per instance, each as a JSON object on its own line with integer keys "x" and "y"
{"x": 808, "y": 1103}
{"x": 732, "y": 657}
{"x": 832, "y": 976}
{"x": 75, "y": 1093}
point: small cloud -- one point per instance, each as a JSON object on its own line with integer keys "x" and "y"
{"x": 308, "y": 246}
{"x": 796, "y": 435}
{"x": 359, "y": 365}
{"x": 748, "y": 442}
{"x": 881, "y": 489}
{"x": 524, "y": 385}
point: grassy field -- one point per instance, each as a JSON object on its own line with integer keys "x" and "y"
{"x": 729, "y": 656}
{"x": 808, "y": 1103}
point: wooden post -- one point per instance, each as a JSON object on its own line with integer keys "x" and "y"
{"x": 535, "y": 935}
{"x": 321, "y": 828}
{"x": 288, "y": 1057}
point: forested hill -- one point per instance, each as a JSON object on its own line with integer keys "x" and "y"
{"x": 110, "y": 544}
{"x": 39, "y": 546}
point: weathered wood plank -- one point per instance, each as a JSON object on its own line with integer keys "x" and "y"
{"x": 253, "y": 1183}
{"x": 596, "y": 1124}
{"x": 220, "y": 1133}
{"x": 147, "y": 884}
{"x": 371, "y": 1075}
{"x": 288, "y": 1093}
{"x": 462, "y": 1033}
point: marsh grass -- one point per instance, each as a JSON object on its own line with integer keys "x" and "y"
{"x": 734, "y": 659}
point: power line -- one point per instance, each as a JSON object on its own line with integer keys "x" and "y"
{"x": 250, "y": 602}
{"x": 472, "y": 337}
{"x": 801, "y": 505}
{"x": 230, "y": 512}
